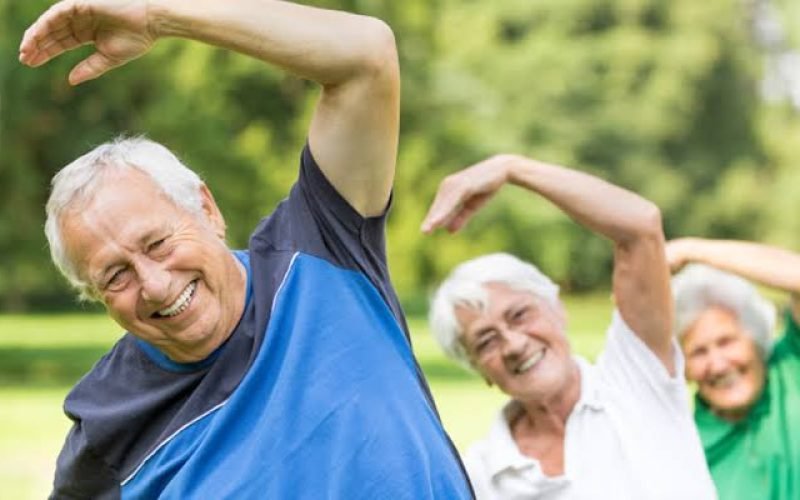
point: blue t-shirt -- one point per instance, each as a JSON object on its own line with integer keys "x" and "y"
{"x": 316, "y": 394}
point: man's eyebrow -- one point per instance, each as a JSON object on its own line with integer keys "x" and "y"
{"x": 149, "y": 236}
{"x": 102, "y": 275}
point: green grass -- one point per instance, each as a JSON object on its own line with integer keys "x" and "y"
{"x": 41, "y": 357}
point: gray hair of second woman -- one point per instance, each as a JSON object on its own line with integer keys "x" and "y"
{"x": 78, "y": 181}
{"x": 466, "y": 287}
{"x": 699, "y": 287}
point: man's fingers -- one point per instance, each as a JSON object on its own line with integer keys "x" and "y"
{"x": 59, "y": 29}
{"x": 91, "y": 68}
{"x": 51, "y": 47}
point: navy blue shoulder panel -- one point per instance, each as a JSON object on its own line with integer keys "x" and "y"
{"x": 316, "y": 220}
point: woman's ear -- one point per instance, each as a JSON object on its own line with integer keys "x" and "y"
{"x": 212, "y": 212}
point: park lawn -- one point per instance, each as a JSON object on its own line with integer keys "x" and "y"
{"x": 42, "y": 356}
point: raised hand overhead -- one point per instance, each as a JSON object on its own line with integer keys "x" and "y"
{"x": 120, "y": 31}
{"x": 463, "y": 193}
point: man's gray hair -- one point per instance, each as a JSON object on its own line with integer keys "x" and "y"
{"x": 699, "y": 287}
{"x": 466, "y": 287}
{"x": 78, "y": 181}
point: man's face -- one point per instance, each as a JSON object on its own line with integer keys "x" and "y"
{"x": 724, "y": 362}
{"x": 163, "y": 273}
{"x": 518, "y": 343}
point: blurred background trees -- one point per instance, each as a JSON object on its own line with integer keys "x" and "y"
{"x": 670, "y": 99}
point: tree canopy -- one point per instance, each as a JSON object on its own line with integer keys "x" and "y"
{"x": 660, "y": 97}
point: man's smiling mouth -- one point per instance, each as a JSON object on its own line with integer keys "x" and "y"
{"x": 180, "y": 304}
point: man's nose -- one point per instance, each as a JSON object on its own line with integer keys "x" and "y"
{"x": 154, "y": 280}
{"x": 513, "y": 343}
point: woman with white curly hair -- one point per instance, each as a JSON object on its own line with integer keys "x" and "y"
{"x": 748, "y": 385}
{"x": 618, "y": 429}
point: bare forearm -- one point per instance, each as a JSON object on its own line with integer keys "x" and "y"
{"x": 641, "y": 274}
{"x": 329, "y": 47}
{"x": 611, "y": 211}
{"x": 771, "y": 266}
{"x": 354, "y": 129}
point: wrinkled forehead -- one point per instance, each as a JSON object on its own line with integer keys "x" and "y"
{"x": 492, "y": 300}
{"x": 108, "y": 184}
{"x": 491, "y": 295}
{"x": 123, "y": 210}
{"x": 712, "y": 323}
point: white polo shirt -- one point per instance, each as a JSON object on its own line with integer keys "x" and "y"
{"x": 630, "y": 436}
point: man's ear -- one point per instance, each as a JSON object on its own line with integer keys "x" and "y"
{"x": 212, "y": 212}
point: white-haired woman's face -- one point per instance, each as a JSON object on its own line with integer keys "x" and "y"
{"x": 518, "y": 343}
{"x": 722, "y": 358}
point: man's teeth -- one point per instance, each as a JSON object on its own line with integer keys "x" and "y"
{"x": 181, "y": 303}
{"x": 530, "y": 362}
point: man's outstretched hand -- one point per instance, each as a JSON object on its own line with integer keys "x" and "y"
{"x": 119, "y": 29}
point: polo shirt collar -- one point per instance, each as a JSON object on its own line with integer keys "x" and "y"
{"x": 591, "y": 397}
{"x": 503, "y": 451}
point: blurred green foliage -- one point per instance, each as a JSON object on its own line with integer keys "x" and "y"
{"x": 660, "y": 97}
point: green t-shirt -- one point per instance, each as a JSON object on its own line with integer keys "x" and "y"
{"x": 758, "y": 458}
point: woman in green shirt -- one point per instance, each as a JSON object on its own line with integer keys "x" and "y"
{"x": 748, "y": 382}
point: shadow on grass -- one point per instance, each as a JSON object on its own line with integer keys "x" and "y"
{"x": 46, "y": 367}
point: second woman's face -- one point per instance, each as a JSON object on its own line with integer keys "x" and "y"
{"x": 722, "y": 358}
{"x": 518, "y": 343}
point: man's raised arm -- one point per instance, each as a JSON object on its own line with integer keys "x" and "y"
{"x": 355, "y": 126}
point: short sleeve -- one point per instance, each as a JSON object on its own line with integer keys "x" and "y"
{"x": 630, "y": 367}
{"x": 316, "y": 220}
{"x": 80, "y": 473}
{"x": 339, "y": 222}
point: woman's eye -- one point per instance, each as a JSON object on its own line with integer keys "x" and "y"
{"x": 484, "y": 343}
{"x": 697, "y": 353}
{"x": 521, "y": 314}
{"x": 726, "y": 341}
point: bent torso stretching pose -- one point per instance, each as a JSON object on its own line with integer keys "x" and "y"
{"x": 283, "y": 371}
